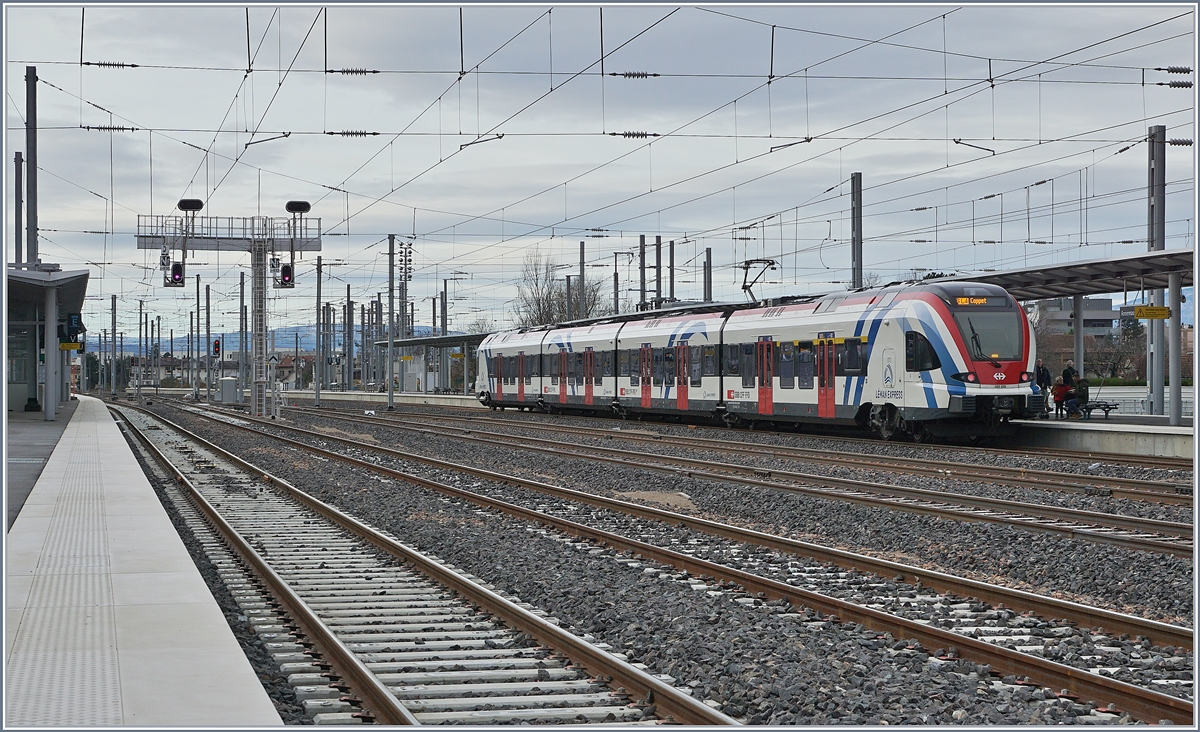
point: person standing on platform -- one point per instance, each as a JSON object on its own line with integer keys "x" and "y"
{"x": 1070, "y": 374}
{"x": 1042, "y": 378}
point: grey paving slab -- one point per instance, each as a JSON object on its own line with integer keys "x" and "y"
{"x": 31, "y": 439}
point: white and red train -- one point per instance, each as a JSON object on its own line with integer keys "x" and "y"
{"x": 949, "y": 359}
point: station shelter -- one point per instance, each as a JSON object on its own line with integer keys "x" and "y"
{"x": 44, "y": 321}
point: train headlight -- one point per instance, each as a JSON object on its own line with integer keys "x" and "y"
{"x": 1026, "y": 377}
{"x": 969, "y": 377}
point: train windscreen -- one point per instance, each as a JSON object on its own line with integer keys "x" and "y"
{"x": 990, "y": 335}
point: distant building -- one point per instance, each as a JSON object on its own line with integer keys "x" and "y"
{"x": 1099, "y": 316}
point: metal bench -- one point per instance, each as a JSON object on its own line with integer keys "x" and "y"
{"x": 1106, "y": 407}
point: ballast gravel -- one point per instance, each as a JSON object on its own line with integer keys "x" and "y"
{"x": 762, "y": 663}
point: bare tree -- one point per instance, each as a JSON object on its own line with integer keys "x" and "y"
{"x": 542, "y": 295}
{"x": 481, "y": 324}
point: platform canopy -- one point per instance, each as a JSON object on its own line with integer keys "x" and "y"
{"x": 27, "y": 287}
{"x": 1147, "y": 271}
{"x": 449, "y": 341}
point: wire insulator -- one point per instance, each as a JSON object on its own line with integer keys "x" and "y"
{"x": 110, "y": 128}
{"x": 919, "y": 241}
{"x": 1178, "y": 142}
{"x": 352, "y": 71}
{"x": 1175, "y": 69}
{"x": 921, "y": 208}
{"x": 353, "y": 133}
{"x": 634, "y": 134}
{"x": 633, "y": 74}
{"x": 1041, "y": 182}
{"x": 110, "y": 64}
{"x": 988, "y": 241}
{"x": 990, "y": 195}
{"x": 1176, "y": 84}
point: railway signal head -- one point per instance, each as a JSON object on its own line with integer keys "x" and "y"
{"x": 174, "y": 276}
{"x": 216, "y": 349}
{"x": 286, "y": 277}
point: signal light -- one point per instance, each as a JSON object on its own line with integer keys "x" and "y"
{"x": 1026, "y": 377}
{"x": 285, "y": 277}
{"x": 174, "y": 276}
{"x": 216, "y": 349}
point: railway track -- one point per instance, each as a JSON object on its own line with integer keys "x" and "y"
{"x": 1131, "y": 532}
{"x": 1160, "y": 491}
{"x": 1143, "y": 703}
{"x": 1152, "y": 461}
{"x": 410, "y": 638}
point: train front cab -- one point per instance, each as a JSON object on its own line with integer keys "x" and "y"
{"x": 510, "y": 370}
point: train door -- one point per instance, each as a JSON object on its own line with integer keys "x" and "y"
{"x": 521, "y": 376}
{"x": 825, "y": 378}
{"x": 766, "y": 375}
{"x": 645, "y": 370}
{"x": 499, "y": 361}
{"x": 563, "y": 370}
{"x": 589, "y": 365}
{"x": 682, "y": 372}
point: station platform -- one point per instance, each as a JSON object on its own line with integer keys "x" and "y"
{"x": 1141, "y": 434}
{"x": 108, "y": 621}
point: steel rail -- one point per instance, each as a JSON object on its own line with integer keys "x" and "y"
{"x": 683, "y": 708}
{"x": 1134, "y": 489}
{"x": 746, "y": 475}
{"x": 1139, "y": 702}
{"x": 371, "y": 691}
{"x": 1160, "y": 462}
{"x": 1162, "y": 633}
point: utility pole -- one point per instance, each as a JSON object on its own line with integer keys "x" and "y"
{"x": 569, "y": 301}
{"x": 141, "y": 358}
{"x": 391, "y": 347}
{"x": 671, "y": 268}
{"x": 364, "y": 350}
{"x": 657, "y": 272}
{"x": 642, "y": 270}
{"x": 856, "y": 237}
{"x": 208, "y": 342}
{"x": 157, "y": 353}
{"x": 31, "y": 219}
{"x": 241, "y": 336}
{"x": 317, "y": 345}
{"x": 616, "y": 288}
{"x": 582, "y": 288}
{"x": 1156, "y": 191}
{"x": 112, "y": 366}
{"x": 708, "y": 293}
{"x": 196, "y": 381}
{"x": 17, "y": 212}
{"x": 443, "y": 354}
{"x": 173, "y": 356}
{"x": 348, "y": 338}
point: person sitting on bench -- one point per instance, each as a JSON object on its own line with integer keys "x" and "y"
{"x": 1080, "y": 397}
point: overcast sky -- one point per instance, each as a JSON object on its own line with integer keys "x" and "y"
{"x": 1054, "y": 141}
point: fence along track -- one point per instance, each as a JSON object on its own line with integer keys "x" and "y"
{"x": 344, "y": 583}
{"x": 1130, "y": 532}
{"x": 1140, "y": 702}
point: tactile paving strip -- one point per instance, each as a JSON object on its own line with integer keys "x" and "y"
{"x": 62, "y": 668}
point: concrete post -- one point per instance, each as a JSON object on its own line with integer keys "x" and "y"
{"x": 642, "y": 270}
{"x": 569, "y": 315}
{"x": 616, "y": 288}
{"x": 708, "y": 289}
{"x": 1077, "y": 301}
{"x": 391, "y": 324}
{"x": 1175, "y": 346}
{"x": 208, "y": 344}
{"x": 112, "y": 363}
{"x": 50, "y": 343}
{"x": 671, "y": 269}
{"x": 31, "y": 219}
{"x": 317, "y": 359}
{"x": 583, "y": 312}
{"x": 141, "y": 351}
{"x": 657, "y": 272}
{"x": 18, "y": 193}
{"x": 856, "y": 260}
{"x": 1156, "y": 192}
{"x": 348, "y": 330}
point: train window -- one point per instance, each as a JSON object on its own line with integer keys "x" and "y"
{"x": 553, "y": 370}
{"x": 918, "y": 353}
{"x": 732, "y": 364}
{"x": 710, "y": 361}
{"x": 633, "y": 364}
{"x": 747, "y": 365}
{"x": 694, "y": 361}
{"x": 804, "y": 365}
{"x": 668, "y": 368}
{"x": 512, "y": 370}
{"x": 597, "y": 367}
{"x": 657, "y": 366}
{"x": 580, "y": 373}
{"x": 608, "y": 363}
{"x": 490, "y": 362}
{"x": 854, "y": 365}
{"x": 787, "y": 364}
